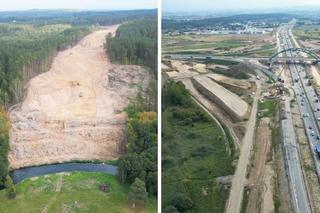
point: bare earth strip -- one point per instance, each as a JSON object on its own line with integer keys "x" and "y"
{"x": 260, "y": 197}
{"x": 315, "y": 74}
{"x": 70, "y": 112}
{"x": 236, "y": 192}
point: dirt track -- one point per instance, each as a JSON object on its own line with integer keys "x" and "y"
{"x": 70, "y": 112}
{"x": 239, "y": 178}
{"x": 260, "y": 197}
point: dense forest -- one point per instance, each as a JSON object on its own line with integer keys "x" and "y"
{"x": 228, "y": 21}
{"x": 135, "y": 43}
{"x": 140, "y": 159}
{"x": 45, "y": 17}
{"x": 27, "y": 50}
{"x": 194, "y": 155}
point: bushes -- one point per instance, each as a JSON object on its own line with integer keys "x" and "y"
{"x": 140, "y": 161}
{"x": 4, "y": 146}
{"x": 175, "y": 94}
{"x": 11, "y": 190}
{"x": 138, "y": 194}
{"x": 136, "y": 43}
{"x": 192, "y": 156}
{"x": 182, "y": 202}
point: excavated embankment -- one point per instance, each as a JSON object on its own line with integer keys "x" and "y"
{"x": 75, "y": 110}
{"x": 237, "y": 108}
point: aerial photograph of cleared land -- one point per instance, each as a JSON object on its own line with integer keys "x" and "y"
{"x": 240, "y": 108}
{"x": 78, "y": 110}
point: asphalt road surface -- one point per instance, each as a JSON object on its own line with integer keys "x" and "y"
{"x": 298, "y": 191}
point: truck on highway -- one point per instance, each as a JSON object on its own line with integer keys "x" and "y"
{"x": 318, "y": 150}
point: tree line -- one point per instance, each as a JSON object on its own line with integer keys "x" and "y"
{"x": 25, "y": 46}
{"x": 44, "y": 17}
{"x": 135, "y": 43}
{"x": 5, "y": 179}
{"x": 227, "y": 21}
{"x": 138, "y": 166}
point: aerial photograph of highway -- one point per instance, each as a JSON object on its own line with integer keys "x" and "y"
{"x": 240, "y": 106}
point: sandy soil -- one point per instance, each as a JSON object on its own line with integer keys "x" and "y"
{"x": 260, "y": 181}
{"x": 71, "y": 112}
{"x": 181, "y": 70}
{"x": 315, "y": 74}
{"x": 309, "y": 43}
{"x": 165, "y": 67}
{"x": 242, "y": 84}
{"x": 200, "y": 67}
{"x": 232, "y": 101}
{"x": 73, "y": 87}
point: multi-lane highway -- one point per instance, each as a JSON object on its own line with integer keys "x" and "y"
{"x": 308, "y": 101}
{"x": 309, "y": 107}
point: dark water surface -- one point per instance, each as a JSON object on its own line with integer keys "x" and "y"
{"x": 24, "y": 173}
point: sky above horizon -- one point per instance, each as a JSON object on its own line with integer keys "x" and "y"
{"x": 77, "y": 4}
{"x": 206, "y": 5}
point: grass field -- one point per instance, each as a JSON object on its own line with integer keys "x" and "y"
{"x": 194, "y": 155}
{"x": 79, "y": 193}
{"x": 307, "y": 32}
{"x": 242, "y": 45}
{"x": 268, "y": 108}
{"x": 199, "y": 46}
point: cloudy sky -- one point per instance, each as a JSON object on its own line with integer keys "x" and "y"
{"x": 77, "y": 4}
{"x": 205, "y": 5}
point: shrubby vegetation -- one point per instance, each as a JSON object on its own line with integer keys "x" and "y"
{"x": 194, "y": 154}
{"x": 138, "y": 194}
{"x": 135, "y": 43}
{"x": 11, "y": 190}
{"x": 140, "y": 160}
{"x": 4, "y": 147}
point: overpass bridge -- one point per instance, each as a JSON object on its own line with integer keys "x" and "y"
{"x": 277, "y": 58}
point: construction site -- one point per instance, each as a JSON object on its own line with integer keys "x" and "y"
{"x": 75, "y": 110}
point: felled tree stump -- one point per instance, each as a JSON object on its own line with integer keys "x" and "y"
{"x": 104, "y": 188}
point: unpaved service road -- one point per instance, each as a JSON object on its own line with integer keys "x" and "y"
{"x": 239, "y": 178}
{"x": 70, "y": 112}
{"x": 260, "y": 197}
